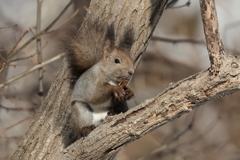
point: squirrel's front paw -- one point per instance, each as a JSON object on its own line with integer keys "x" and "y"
{"x": 128, "y": 94}
{"x": 119, "y": 93}
{"x": 86, "y": 130}
{"x": 111, "y": 113}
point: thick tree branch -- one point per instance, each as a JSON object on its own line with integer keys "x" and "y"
{"x": 176, "y": 100}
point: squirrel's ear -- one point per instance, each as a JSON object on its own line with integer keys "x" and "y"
{"x": 107, "y": 46}
{"x": 127, "y": 40}
{"x": 105, "y": 54}
{"x": 109, "y": 43}
{"x": 107, "y": 49}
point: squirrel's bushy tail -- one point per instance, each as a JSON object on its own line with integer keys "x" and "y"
{"x": 84, "y": 46}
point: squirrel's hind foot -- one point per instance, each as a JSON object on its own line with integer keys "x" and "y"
{"x": 86, "y": 130}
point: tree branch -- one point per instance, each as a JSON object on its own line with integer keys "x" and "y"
{"x": 212, "y": 35}
{"x": 169, "y": 40}
{"x": 39, "y": 51}
{"x": 31, "y": 70}
{"x": 176, "y": 100}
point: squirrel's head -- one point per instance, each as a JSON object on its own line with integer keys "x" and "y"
{"x": 117, "y": 64}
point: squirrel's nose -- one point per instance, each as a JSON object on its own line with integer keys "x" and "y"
{"x": 130, "y": 72}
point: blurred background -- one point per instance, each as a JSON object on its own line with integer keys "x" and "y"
{"x": 176, "y": 51}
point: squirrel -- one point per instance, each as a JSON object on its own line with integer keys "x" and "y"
{"x": 101, "y": 89}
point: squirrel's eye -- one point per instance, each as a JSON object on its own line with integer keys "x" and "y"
{"x": 117, "y": 60}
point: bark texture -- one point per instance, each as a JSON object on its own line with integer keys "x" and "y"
{"x": 48, "y": 134}
{"x": 45, "y": 138}
{"x": 213, "y": 40}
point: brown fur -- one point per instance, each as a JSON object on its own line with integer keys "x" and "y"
{"x": 97, "y": 89}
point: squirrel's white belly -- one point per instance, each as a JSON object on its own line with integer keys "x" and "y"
{"x": 98, "y": 117}
{"x": 100, "y": 112}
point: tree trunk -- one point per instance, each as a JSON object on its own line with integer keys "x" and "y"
{"x": 48, "y": 134}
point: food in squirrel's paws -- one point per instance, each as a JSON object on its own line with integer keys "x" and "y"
{"x": 128, "y": 92}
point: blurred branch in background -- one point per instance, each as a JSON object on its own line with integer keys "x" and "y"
{"x": 65, "y": 22}
{"x": 14, "y": 52}
{"x": 15, "y": 25}
{"x": 31, "y": 70}
{"x": 9, "y": 127}
{"x": 15, "y": 46}
{"x": 171, "y": 4}
{"x": 30, "y": 56}
{"x": 169, "y": 40}
{"x": 166, "y": 146}
{"x": 13, "y": 109}
{"x": 39, "y": 50}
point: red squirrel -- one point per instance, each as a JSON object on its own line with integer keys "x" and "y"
{"x": 101, "y": 89}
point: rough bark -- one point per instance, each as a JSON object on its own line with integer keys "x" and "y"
{"x": 213, "y": 40}
{"x": 48, "y": 134}
{"x": 45, "y": 140}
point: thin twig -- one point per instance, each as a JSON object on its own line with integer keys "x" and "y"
{"x": 13, "y": 137}
{"x": 3, "y": 65}
{"x": 30, "y": 29}
{"x": 2, "y": 58}
{"x": 7, "y": 96}
{"x": 15, "y": 65}
{"x": 14, "y": 47}
{"x": 9, "y": 127}
{"x": 168, "y": 40}
{"x": 15, "y": 25}
{"x": 189, "y": 127}
{"x": 193, "y": 41}
{"x": 75, "y": 13}
{"x": 207, "y": 129}
{"x": 22, "y": 58}
{"x": 14, "y": 109}
{"x": 20, "y": 107}
{"x": 31, "y": 70}
{"x": 165, "y": 146}
{"x": 171, "y": 4}
{"x": 39, "y": 53}
{"x": 5, "y": 50}
{"x": 10, "y": 56}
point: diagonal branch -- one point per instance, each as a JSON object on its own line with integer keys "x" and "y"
{"x": 31, "y": 70}
{"x": 176, "y": 100}
{"x": 212, "y": 35}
